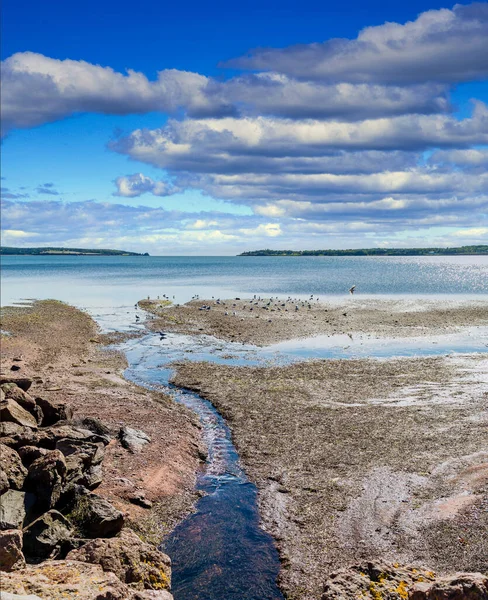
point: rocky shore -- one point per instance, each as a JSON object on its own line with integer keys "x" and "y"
{"x": 93, "y": 470}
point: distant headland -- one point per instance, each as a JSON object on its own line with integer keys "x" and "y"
{"x": 462, "y": 250}
{"x": 67, "y": 251}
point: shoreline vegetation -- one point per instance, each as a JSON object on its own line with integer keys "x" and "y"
{"x": 45, "y": 251}
{"x": 461, "y": 250}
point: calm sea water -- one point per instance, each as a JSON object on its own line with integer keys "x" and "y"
{"x": 114, "y": 281}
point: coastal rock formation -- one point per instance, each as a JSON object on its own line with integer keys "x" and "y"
{"x": 11, "y": 556}
{"x": 45, "y": 537}
{"x": 131, "y": 559}
{"x": 395, "y": 582}
{"x": 12, "y": 466}
{"x": 94, "y": 516}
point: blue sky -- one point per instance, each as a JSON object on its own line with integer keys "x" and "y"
{"x": 269, "y": 124}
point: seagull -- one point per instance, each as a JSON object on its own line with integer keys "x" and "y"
{"x": 351, "y": 291}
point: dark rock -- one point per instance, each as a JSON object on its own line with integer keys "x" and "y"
{"x": 46, "y": 477}
{"x": 15, "y": 368}
{"x": 460, "y": 586}
{"x": 29, "y": 454}
{"x": 54, "y": 411}
{"x": 96, "y": 426}
{"x": 10, "y": 410}
{"x": 14, "y": 509}
{"x": 94, "y": 516}
{"x": 49, "y": 436}
{"x": 11, "y": 464}
{"x": 131, "y": 559}
{"x": 73, "y": 432}
{"x": 82, "y": 461}
{"x": 19, "y": 395}
{"x": 133, "y": 439}
{"x": 24, "y": 383}
{"x": 11, "y": 557}
{"x": 44, "y": 537}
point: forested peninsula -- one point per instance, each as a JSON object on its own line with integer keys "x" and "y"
{"x": 462, "y": 250}
{"x": 67, "y": 251}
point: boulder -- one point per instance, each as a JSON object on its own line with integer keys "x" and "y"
{"x": 29, "y": 454}
{"x": 8, "y": 429}
{"x": 54, "y": 411}
{"x": 13, "y": 392}
{"x": 83, "y": 461}
{"x": 139, "y": 497}
{"x": 10, "y": 596}
{"x": 46, "y": 478}
{"x": 45, "y": 536}
{"x": 96, "y": 426}
{"x": 131, "y": 559}
{"x": 93, "y": 516}
{"x": 461, "y": 586}
{"x": 12, "y": 466}
{"x": 153, "y": 595}
{"x": 56, "y": 579}
{"x": 11, "y": 556}
{"x": 49, "y": 436}
{"x": 133, "y": 439}
{"x": 75, "y": 433}
{"x": 14, "y": 507}
{"x": 23, "y": 383}
{"x": 10, "y": 410}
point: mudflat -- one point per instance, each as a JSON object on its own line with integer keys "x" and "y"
{"x": 263, "y": 321}
{"x": 355, "y": 459}
{"x": 61, "y": 348}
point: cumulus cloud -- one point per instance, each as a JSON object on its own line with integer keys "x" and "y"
{"x": 131, "y": 186}
{"x": 440, "y": 45}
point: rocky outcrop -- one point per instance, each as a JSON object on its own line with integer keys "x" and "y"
{"x": 131, "y": 559}
{"x": 11, "y": 556}
{"x": 24, "y": 383}
{"x": 49, "y": 466}
{"x": 395, "y": 582}
{"x": 133, "y": 439}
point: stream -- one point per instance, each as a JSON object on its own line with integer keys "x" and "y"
{"x": 220, "y": 552}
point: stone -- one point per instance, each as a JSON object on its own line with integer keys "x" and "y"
{"x": 14, "y": 508}
{"x": 153, "y": 595}
{"x": 23, "y": 398}
{"x": 10, "y": 410}
{"x": 83, "y": 460}
{"x": 10, "y": 596}
{"x": 54, "y": 411}
{"x": 12, "y": 466}
{"x": 7, "y": 429}
{"x": 460, "y": 586}
{"x": 4, "y": 485}
{"x": 15, "y": 368}
{"x": 94, "y": 516}
{"x": 44, "y": 537}
{"x": 23, "y": 383}
{"x": 11, "y": 556}
{"x": 56, "y": 579}
{"x": 29, "y": 454}
{"x": 46, "y": 477}
{"x": 96, "y": 426}
{"x": 139, "y": 498}
{"x": 132, "y": 560}
{"x": 133, "y": 439}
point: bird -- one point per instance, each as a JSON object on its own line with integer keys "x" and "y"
{"x": 351, "y": 290}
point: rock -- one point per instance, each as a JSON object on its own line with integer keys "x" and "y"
{"x": 461, "y": 586}
{"x": 14, "y": 508}
{"x": 9, "y": 596}
{"x": 12, "y": 466}
{"x": 94, "y": 516}
{"x": 7, "y": 429}
{"x": 82, "y": 461}
{"x": 374, "y": 580}
{"x": 29, "y": 454}
{"x": 4, "y": 485}
{"x": 23, "y": 383}
{"x": 153, "y": 595}
{"x": 56, "y": 579}
{"x": 133, "y": 439}
{"x": 44, "y": 537}
{"x": 49, "y": 436}
{"x": 96, "y": 426}
{"x": 10, "y": 410}
{"x": 15, "y": 368}
{"x": 54, "y": 411}
{"x": 23, "y": 398}
{"x": 76, "y": 433}
{"x": 140, "y": 499}
{"x": 11, "y": 556}
{"x": 131, "y": 559}
{"x": 46, "y": 477}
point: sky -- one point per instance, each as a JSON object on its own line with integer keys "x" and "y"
{"x": 214, "y": 128}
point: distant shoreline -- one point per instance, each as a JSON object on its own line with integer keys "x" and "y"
{"x": 459, "y": 251}
{"x": 52, "y": 251}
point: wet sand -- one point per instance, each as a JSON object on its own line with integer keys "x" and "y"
{"x": 263, "y": 322}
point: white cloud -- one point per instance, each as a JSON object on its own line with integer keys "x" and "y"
{"x": 131, "y": 186}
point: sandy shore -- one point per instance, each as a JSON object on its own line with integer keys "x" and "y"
{"x": 60, "y": 347}
{"x": 263, "y": 322}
